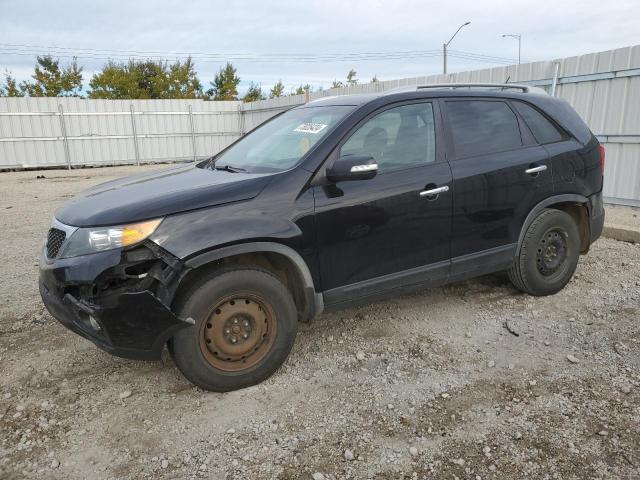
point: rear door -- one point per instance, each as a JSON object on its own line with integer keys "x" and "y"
{"x": 575, "y": 169}
{"x": 499, "y": 174}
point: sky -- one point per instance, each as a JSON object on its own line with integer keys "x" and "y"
{"x": 302, "y": 42}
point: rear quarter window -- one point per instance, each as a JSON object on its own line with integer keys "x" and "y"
{"x": 543, "y": 130}
{"x": 482, "y": 126}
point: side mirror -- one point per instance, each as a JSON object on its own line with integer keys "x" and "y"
{"x": 352, "y": 167}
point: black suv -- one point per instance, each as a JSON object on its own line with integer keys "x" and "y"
{"x": 340, "y": 201}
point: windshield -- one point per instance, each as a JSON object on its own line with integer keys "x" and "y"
{"x": 280, "y": 143}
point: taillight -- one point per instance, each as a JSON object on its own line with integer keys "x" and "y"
{"x": 602, "y": 155}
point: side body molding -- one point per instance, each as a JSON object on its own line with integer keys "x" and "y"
{"x": 315, "y": 301}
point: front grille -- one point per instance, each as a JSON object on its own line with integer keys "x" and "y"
{"x": 55, "y": 239}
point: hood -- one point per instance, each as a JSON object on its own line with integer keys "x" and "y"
{"x": 157, "y": 194}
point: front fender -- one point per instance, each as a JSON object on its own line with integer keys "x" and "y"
{"x": 188, "y": 235}
{"x": 254, "y": 247}
{"x": 314, "y": 301}
{"x": 280, "y": 220}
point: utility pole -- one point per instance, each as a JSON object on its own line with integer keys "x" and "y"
{"x": 518, "y": 37}
{"x": 446, "y": 45}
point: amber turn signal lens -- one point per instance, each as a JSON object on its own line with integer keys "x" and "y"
{"x": 137, "y": 232}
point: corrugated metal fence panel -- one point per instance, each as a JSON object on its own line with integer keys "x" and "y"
{"x": 49, "y": 152}
{"x": 622, "y": 173}
{"x": 215, "y": 130}
{"x": 101, "y": 131}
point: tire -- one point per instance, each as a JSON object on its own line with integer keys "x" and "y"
{"x": 245, "y": 326}
{"x": 548, "y": 255}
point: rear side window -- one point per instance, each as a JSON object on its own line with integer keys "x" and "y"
{"x": 480, "y": 127}
{"x": 542, "y": 129}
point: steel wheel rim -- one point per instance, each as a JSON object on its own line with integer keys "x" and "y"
{"x": 238, "y": 332}
{"x": 551, "y": 252}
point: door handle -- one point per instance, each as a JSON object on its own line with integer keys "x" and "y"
{"x": 541, "y": 168}
{"x": 434, "y": 191}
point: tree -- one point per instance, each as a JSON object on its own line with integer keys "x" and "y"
{"x": 146, "y": 79}
{"x": 150, "y": 78}
{"x": 114, "y": 81}
{"x": 183, "y": 80}
{"x": 375, "y": 79}
{"x": 225, "y": 84}
{"x": 50, "y": 80}
{"x": 254, "y": 93}
{"x": 277, "y": 90}
{"x": 351, "y": 78}
{"x": 336, "y": 84}
{"x": 10, "y": 87}
{"x": 138, "y": 79}
{"x": 302, "y": 89}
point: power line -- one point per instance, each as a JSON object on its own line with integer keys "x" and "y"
{"x": 221, "y": 58}
{"x": 120, "y": 55}
{"x": 237, "y": 54}
{"x": 79, "y": 52}
{"x": 484, "y": 57}
{"x": 261, "y": 60}
{"x": 240, "y": 59}
{"x": 480, "y": 60}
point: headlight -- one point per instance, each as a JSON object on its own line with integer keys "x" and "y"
{"x": 98, "y": 239}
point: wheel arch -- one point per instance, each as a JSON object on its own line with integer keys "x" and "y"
{"x": 576, "y": 205}
{"x": 281, "y": 260}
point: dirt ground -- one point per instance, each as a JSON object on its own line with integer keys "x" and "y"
{"x": 440, "y": 388}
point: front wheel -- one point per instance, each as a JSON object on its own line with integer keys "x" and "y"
{"x": 245, "y": 327}
{"x": 548, "y": 255}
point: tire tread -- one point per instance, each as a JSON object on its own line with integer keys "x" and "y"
{"x": 516, "y": 272}
{"x": 197, "y": 370}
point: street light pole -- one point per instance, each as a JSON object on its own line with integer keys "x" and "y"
{"x": 444, "y": 58}
{"x": 445, "y": 45}
{"x": 519, "y": 38}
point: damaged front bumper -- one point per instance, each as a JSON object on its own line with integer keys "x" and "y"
{"x": 120, "y": 300}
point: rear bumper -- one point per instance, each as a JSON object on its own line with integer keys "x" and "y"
{"x": 130, "y": 324}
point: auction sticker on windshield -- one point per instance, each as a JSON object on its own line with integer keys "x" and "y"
{"x": 310, "y": 128}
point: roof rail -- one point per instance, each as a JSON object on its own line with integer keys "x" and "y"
{"x": 495, "y": 86}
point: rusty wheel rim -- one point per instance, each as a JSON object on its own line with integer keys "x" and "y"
{"x": 238, "y": 332}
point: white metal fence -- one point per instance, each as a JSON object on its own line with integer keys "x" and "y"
{"x": 48, "y": 132}
{"x": 603, "y": 87}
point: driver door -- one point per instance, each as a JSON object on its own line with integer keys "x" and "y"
{"x": 386, "y": 232}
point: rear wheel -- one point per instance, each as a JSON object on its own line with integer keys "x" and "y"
{"x": 548, "y": 255}
{"x": 245, "y": 327}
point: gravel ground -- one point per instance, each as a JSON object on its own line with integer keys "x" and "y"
{"x": 473, "y": 380}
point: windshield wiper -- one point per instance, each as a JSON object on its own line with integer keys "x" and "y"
{"x": 230, "y": 168}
